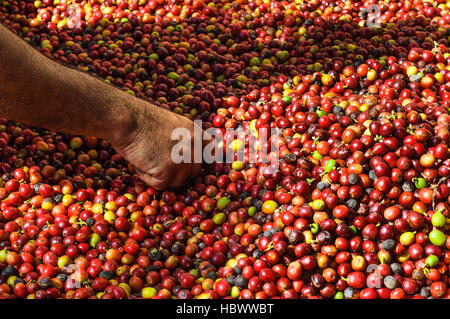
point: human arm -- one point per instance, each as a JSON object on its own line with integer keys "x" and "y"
{"x": 41, "y": 92}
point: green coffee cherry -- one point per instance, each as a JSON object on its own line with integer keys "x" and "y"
{"x": 219, "y": 218}
{"x": 251, "y": 211}
{"x": 223, "y": 202}
{"x": 432, "y": 261}
{"x": 437, "y": 237}
{"x": 330, "y": 165}
{"x": 420, "y": 183}
{"x": 438, "y": 219}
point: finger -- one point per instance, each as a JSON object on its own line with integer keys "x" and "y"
{"x": 156, "y": 183}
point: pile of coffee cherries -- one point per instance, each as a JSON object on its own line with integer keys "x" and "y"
{"x": 358, "y": 209}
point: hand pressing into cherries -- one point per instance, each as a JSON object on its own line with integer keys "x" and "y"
{"x": 78, "y": 103}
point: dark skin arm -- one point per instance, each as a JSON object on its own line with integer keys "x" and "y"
{"x": 40, "y": 92}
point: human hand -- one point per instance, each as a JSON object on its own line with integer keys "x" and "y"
{"x": 149, "y": 149}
